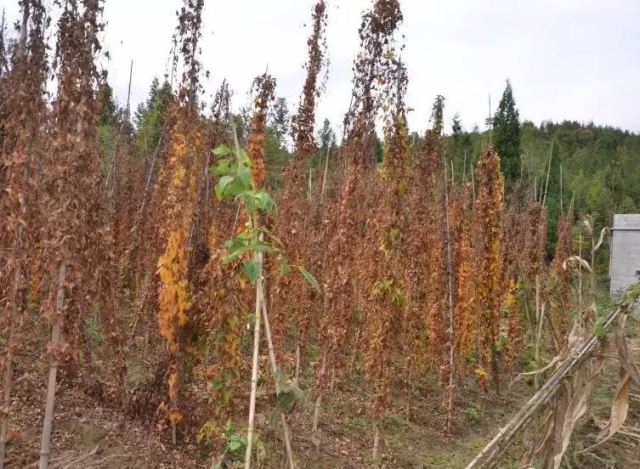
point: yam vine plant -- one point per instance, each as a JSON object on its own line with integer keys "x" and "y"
{"x": 180, "y": 177}
{"x": 292, "y": 300}
{"x": 384, "y": 314}
{"x": 488, "y": 238}
{"x": 24, "y": 90}
{"x": 373, "y": 65}
{"x": 71, "y": 227}
{"x": 240, "y": 180}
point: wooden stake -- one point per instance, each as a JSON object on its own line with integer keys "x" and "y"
{"x": 275, "y": 372}
{"x": 315, "y": 439}
{"x": 254, "y": 366}
{"x": 376, "y": 441}
{"x": 296, "y": 375}
{"x": 537, "y": 329}
{"x": 324, "y": 178}
{"x": 16, "y": 311}
{"x": 449, "y": 394}
{"x": 45, "y": 450}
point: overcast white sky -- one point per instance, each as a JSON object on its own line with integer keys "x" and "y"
{"x": 566, "y": 59}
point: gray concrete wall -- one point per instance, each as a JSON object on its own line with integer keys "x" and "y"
{"x": 625, "y": 252}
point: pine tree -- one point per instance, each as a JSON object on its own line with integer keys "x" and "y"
{"x": 506, "y": 134}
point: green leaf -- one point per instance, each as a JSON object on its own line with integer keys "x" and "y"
{"x": 221, "y": 187}
{"x": 234, "y": 446}
{"x": 263, "y": 200}
{"x": 243, "y": 158}
{"x": 217, "y": 384}
{"x": 287, "y": 399}
{"x": 283, "y": 265}
{"x": 222, "y": 168}
{"x": 222, "y": 150}
{"x": 244, "y": 176}
{"x": 236, "y": 248}
{"x": 260, "y": 246}
{"x": 252, "y": 270}
{"x": 311, "y": 279}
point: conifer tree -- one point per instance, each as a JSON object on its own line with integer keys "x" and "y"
{"x": 506, "y": 134}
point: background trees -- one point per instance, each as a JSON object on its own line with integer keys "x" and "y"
{"x": 506, "y": 134}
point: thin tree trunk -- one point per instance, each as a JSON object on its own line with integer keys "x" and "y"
{"x": 45, "y": 451}
{"x": 254, "y": 366}
{"x": 546, "y": 185}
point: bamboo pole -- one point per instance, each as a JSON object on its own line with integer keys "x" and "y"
{"x": 376, "y": 441}
{"x": 45, "y": 450}
{"x": 449, "y": 398}
{"x": 536, "y": 330}
{"x": 324, "y": 178}
{"x": 276, "y": 377}
{"x": 315, "y": 438}
{"x": 296, "y": 376}
{"x": 254, "y": 365}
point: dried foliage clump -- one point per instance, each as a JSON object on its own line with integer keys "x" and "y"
{"x": 179, "y": 177}
{"x": 304, "y": 121}
{"x": 23, "y": 114}
{"x": 488, "y": 239}
{"x": 560, "y": 279}
{"x": 387, "y": 298}
{"x": 70, "y": 204}
{"x": 264, "y": 86}
{"x": 292, "y": 296}
{"x": 371, "y": 68}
